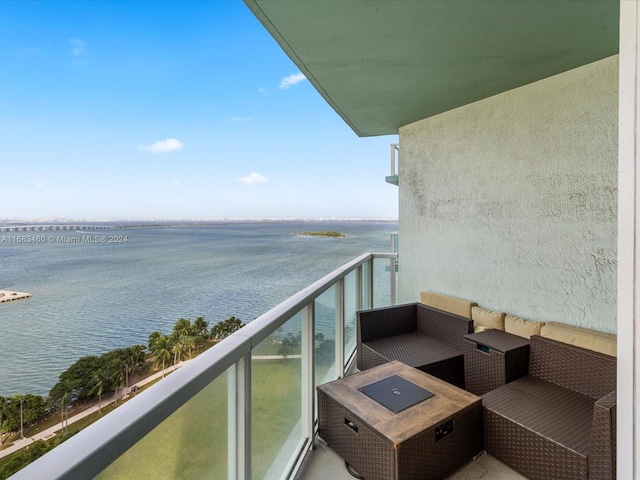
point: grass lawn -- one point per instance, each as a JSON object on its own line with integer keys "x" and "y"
{"x": 192, "y": 443}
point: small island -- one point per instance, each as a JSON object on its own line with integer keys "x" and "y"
{"x": 327, "y": 234}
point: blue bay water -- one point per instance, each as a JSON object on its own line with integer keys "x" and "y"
{"x": 91, "y": 298}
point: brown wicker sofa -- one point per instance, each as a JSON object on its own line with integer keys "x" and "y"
{"x": 558, "y": 422}
{"x": 417, "y": 335}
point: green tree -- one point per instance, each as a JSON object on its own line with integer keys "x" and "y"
{"x": 136, "y": 357}
{"x": 117, "y": 375}
{"x": 161, "y": 350}
{"x": 183, "y": 332}
{"x": 225, "y": 328}
{"x": 64, "y": 401}
{"x": 153, "y": 337}
{"x": 99, "y": 382}
{"x": 4, "y": 408}
{"x": 183, "y": 327}
{"x": 201, "y": 327}
{"x": 176, "y": 347}
{"x": 325, "y": 353}
{"x": 77, "y": 380}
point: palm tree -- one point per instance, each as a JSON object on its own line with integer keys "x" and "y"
{"x": 183, "y": 327}
{"x": 185, "y": 331}
{"x": 161, "y": 349}
{"x": 64, "y": 399}
{"x": 176, "y": 349}
{"x": 98, "y": 378}
{"x": 153, "y": 337}
{"x": 17, "y": 400}
{"x": 136, "y": 356}
{"x": 117, "y": 377}
{"x": 200, "y": 327}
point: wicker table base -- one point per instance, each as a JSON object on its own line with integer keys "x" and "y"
{"x": 494, "y": 358}
{"x": 428, "y": 440}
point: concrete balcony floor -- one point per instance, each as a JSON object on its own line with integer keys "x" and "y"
{"x": 323, "y": 463}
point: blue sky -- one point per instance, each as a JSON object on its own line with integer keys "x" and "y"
{"x": 163, "y": 109}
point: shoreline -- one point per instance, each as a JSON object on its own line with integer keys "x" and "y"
{"x": 10, "y": 295}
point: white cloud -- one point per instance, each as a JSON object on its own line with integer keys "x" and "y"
{"x": 241, "y": 119}
{"x": 163, "y": 146}
{"x": 292, "y": 80}
{"x": 78, "y": 47}
{"x": 254, "y": 177}
{"x": 262, "y": 90}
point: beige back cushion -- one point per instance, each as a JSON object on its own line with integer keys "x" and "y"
{"x": 581, "y": 337}
{"x": 521, "y": 327}
{"x": 486, "y": 318}
{"x": 480, "y": 328}
{"x": 448, "y": 304}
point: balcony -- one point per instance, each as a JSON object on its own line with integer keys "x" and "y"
{"x": 394, "y": 179}
{"x": 246, "y": 408}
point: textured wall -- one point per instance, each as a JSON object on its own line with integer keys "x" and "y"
{"x": 512, "y": 201}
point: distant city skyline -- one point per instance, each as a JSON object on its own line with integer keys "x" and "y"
{"x": 171, "y": 110}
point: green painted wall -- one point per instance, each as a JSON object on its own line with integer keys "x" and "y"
{"x": 512, "y": 201}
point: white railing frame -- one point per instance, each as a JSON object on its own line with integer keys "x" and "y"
{"x": 395, "y": 155}
{"x": 95, "y": 448}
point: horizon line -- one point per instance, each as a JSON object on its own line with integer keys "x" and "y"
{"x": 48, "y": 220}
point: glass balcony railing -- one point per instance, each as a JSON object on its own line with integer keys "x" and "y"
{"x": 244, "y": 409}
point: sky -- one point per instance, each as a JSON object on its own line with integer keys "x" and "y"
{"x": 170, "y": 110}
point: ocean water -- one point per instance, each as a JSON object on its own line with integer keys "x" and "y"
{"x": 89, "y": 298}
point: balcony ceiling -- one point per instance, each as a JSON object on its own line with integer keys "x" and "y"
{"x": 382, "y": 64}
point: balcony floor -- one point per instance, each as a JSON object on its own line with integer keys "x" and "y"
{"x": 324, "y": 463}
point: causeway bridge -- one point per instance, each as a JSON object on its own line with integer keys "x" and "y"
{"x": 50, "y": 227}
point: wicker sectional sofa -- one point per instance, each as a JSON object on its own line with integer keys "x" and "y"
{"x": 420, "y": 336}
{"x": 560, "y": 420}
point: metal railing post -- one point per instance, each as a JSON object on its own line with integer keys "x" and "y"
{"x": 339, "y": 344}
{"x": 308, "y": 371}
{"x": 239, "y": 419}
{"x": 393, "y": 279}
{"x": 369, "y": 284}
{"x": 359, "y": 293}
{"x": 394, "y": 147}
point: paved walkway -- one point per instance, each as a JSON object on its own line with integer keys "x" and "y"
{"x": 50, "y": 432}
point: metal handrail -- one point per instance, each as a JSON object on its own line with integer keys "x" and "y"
{"x": 89, "y": 452}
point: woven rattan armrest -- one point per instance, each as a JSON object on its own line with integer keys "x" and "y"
{"x": 602, "y": 458}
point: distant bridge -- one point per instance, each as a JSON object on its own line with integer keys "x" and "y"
{"x": 48, "y": 227}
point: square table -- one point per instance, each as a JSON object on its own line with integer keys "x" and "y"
{"x": 427, "y": 440}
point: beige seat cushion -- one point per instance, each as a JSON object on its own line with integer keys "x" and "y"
{"x": 486, "y": 318}
{"x": 521, "y": 327}
{"x": 454, "y": 305}
{"x": 581, "y": 337}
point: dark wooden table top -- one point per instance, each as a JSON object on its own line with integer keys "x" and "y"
{"x": 447, "y": 401}
{"x": 498, "y": 340}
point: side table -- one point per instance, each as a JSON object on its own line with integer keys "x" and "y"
{"x": 493, "y": 358}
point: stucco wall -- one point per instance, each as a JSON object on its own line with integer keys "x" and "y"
{"x": 512, "y": 201}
